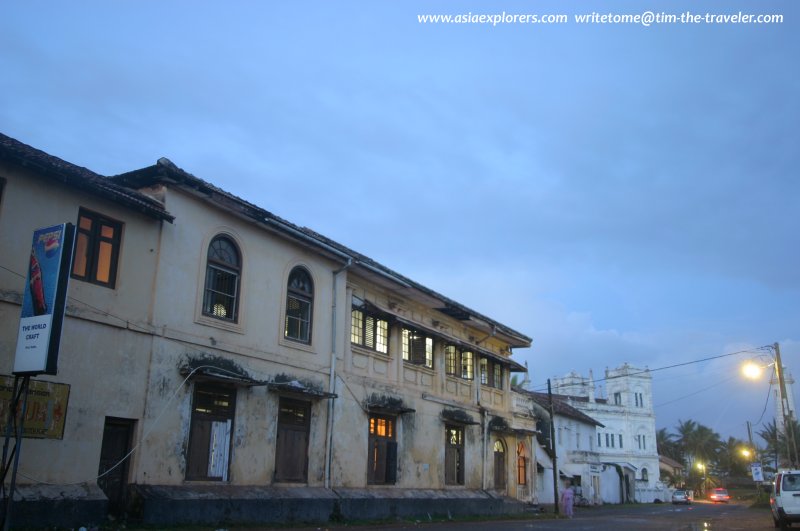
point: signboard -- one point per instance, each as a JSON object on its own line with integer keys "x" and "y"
{"x": 755, "y": 469}
{"x": 44, "y": 299}
{"x": 46, "y": 410}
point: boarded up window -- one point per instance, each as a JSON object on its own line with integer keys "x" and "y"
{"x": 291, "y": 451}
{"x": 210, "y": 433}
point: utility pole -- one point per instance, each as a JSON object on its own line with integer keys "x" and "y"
{"x": 788, "y": 421}
{"x": 553, "y": 446}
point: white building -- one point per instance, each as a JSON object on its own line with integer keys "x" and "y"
{"x": 626, "y": 443}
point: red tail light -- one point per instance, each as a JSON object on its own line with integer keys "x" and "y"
{"x": 778, "y": 483}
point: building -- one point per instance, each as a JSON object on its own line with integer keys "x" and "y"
{"x": 578, "y": 463}
{"x": 225, "y": 365}
{"x": 627, "y": 440}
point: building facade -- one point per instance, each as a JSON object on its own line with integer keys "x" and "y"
{"x": 216, "y": 354}
{"x": 626, "y": 443}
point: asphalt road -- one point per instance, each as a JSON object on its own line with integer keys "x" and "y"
{"x": 700, "y": 516}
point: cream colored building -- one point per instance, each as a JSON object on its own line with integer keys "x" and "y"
{"x": 253, "y": 369}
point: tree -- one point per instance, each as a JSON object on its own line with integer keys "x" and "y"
{"x": 667, "y": 445}
{"x": 770, "y": 436}
{"x": 730, "y": 461}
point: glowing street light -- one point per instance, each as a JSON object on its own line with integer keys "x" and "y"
{"x": 753, "y": 371}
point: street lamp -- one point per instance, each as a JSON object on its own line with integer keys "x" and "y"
{"x": 753, "y": 371}
{"x": 702, "y": 468}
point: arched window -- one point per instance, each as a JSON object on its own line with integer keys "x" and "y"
{"x": 522, "y": 465}
{"x": 223, "y": 270}
{"x": 499, "y": 465}
{"x": 299, "y": 305}
{"x": 644, "y": 474}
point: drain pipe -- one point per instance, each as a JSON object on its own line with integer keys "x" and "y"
{"x": 332, "y": 383}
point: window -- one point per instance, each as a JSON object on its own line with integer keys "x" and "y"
{"x": 522, "y": 465}
{"x": 97, "y": 243}
{"x": 467, "y": 365}
{"x": 458, "y": 362}
{"x": 618, "y": 399}
{"x": 640, "y": 441}
{"x": 299, "y": 303}
{"x": 491, "y": 373}
{"x": 599, "y": 443}
{"x": 291, "y": 448}
{"x": 382, "y": 450}
{"x": 644, "y": 474}
{"x": 639, "y": 399}
{"x": 499, "y": 465}
{"x": 417, "y": 348}
{"x": 367, "y": 329}
{"x": 454, "y": 455}
{"x": 223, "y": 270}
{"x": 210, "y": 432}
{"x": 608, "y": 442}
{"x": 620, "y": 440}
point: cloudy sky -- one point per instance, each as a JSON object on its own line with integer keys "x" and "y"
{"x": 619, "y": 193}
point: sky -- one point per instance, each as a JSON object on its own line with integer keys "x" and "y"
{"x": 620, "y": 193}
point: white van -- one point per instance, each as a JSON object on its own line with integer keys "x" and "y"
{"x": 785, "y": 498}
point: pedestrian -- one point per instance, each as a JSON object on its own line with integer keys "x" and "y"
{"x": 567, "y": 497}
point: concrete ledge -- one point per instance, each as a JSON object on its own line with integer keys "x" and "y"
{"x": 382, "y": 503}
{"x": 61, "y": 506}
{"x": 225, "y": 504}
{"x": 217, "y": 504}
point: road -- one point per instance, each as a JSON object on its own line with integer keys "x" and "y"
{"x": 700, "y": 516}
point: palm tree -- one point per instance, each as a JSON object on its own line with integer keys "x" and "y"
{"x": 771, "y": 437}
{"x": 730, "y": 460}
{"x": 667, "y": 445}
{"x": 686, "y": 429}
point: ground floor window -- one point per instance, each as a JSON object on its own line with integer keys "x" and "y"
{"x": 454, "y": 455}
{"x": 499, "y": 465}
{"x": 210, "y": 432}
{"x": 522, "y": 465}
{"x": 382, "y": 450}
{"x": 291, "y": 447}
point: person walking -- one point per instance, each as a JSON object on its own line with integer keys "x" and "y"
{"x": 567, "y": 500}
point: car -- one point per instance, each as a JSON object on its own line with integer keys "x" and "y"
{"x": 719, "y": 495}
{"x": 682, "y": 496}
{"x": 785, "y": 498}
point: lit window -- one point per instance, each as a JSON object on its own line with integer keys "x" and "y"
{"x": 299, "y": 302}
{"x": 458, "y": 362}
{"x": 97, "y": 243}
{"x": 417, "y": 348}
{"x": 368, "y": 329}
{"x": 223, "y": 269}
{"x": 382, "y": 450}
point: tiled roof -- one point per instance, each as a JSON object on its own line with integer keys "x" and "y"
{"x": 23, "y": 155}
{"x": 166, "y": 170}
{"x": 560, "y": 406}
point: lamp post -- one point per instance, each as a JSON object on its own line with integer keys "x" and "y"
{"x": 751, "y": 370}
{"x": 702, "y": 468}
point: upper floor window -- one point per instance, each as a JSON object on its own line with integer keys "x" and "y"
{"x": 458, "y": 362}
{"x": 97, "y": 244}
{"x": 299, "y": 305}
{"x": 491, "y": 373}
{"x": 368, "y": 329}
{"x": 618, "y": 399}
{"x": 417, "y": 347}
{"x": 223, "y": 271}
{"x": 639, "y": 399}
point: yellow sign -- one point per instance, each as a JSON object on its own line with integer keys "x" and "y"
{"x": 46, "y": 410}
